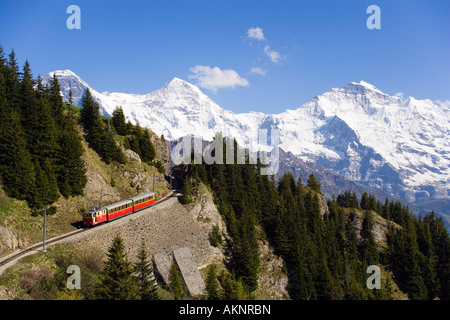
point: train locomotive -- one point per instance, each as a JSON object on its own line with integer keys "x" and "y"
{"x": 119, "y": 209}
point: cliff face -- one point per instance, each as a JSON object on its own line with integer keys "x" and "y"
{"x": 272, "y": 278}
{"x": 379, "y": 228}
{"x": 9, "y": 240}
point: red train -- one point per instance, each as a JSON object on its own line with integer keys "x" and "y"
{"x": 113, "y": 211}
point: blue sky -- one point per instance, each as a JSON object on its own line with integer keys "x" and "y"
{"x": 246, "y": 55}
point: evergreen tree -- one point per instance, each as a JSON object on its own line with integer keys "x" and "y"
{"x": 70, "y": 100}
{"x": 18, "y": 174}
{"x": 72, "y": 172}
{"x": 212, "y": 285}
{"x": 440, "y": 244}
{"x": 91, "y": 122}
{"x": 145, "y": 277}
{"x": 186, "y": 192}
{"x": 46, "y": 185}
{"x": 141, "y": 143}
{"x": 117, "y": 282}
{"x": 369, "y": 249}
{"x": 313, "y": 183}
{"x": 232, "y": 289}
{"x": 109, "y": 150}
{"x": 119, "y": 122}
{"x": 99, "y": 136}
{"x": 365, "y": 201}
{"x": 12, "y": 82}
{"x": 56, "y": 101}
{"x": 27, "y": 97}
{"x": 246, "y": 253}
{"x": 175, "y": 282}
{"x": 148, "y": 152}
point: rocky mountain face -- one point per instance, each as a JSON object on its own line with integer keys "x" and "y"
{"x": 358, "y": 133}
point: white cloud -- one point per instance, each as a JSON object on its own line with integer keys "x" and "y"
{"x": 399, "y": 95}
{"x": 445, "y": 104}
{"x": 258, "y": 71}
{"x": 256, "y": 33}
{"x": 215, "y": 78}
{"x": 273, "y": 55}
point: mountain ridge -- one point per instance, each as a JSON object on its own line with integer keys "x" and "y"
{"x": 395, "y": 145}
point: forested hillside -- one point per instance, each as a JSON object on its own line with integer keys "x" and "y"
{"x": 326, "y": 256}
{"x": 41, "y": 151}
{"x": 40, "y": 148}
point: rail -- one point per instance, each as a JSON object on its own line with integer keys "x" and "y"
{"x": 11, "y": 258}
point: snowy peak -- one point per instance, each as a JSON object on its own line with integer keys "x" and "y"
{"x": 68, "y": 80}
{"x": 398, "y": 146}
{"x": 177, "y": 82}
{"x": 364, "y": 85}
{"x": 181, "y": 88}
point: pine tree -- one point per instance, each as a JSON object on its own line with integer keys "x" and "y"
{"x": 246, "y": 252}
{"x": 145, "y": 277}
{"x": 369, "y": 249}
{"x": 71, "y": 167}
{"x": 99, "y": 136}
{"x": 354, "y": 276}
{"x": 119, "y": 122}
{"x": 365, "y": 201}
{"x": 18, "y": 175}
{"x": 232, "y": 288}
{"x": 91, "y": 122}
{"x": 212, "y": 285}
{"x": 313, "y": 183}
{"x": 148, "y": 152}
{"x": 186, "y": 192}
{"x": 117, "y": 282}
{"x": 175, "y": 282}
{"x": 440, "y": 241}
{"x": 27, "y": 98}
{"x": 12, "y": 81}
{"x": 46, "y": 185}
{"x": 109, "y": 150}
{"x": 56, "y": 101}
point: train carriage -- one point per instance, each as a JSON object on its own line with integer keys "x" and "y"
{"x": 119, "y": 209}
{"x": 94, "y": 216}
{"x": 113, "y": 211}
{"x": 143, "y": 200}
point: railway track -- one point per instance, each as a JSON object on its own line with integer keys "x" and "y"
{"x": 38, "y": 246}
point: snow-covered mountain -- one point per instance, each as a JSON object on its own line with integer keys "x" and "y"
{"x": 398, "y": 146}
